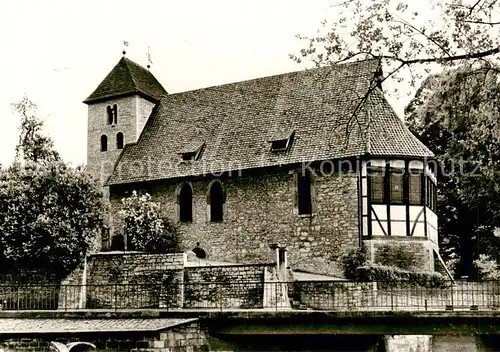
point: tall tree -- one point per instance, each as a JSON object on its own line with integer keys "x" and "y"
{"x": 32, "y": 144}
{"x": 457, "y": 115}
{"x": 50, "y": 213}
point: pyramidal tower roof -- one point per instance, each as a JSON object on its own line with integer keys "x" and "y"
{"x": 127, "y": 78}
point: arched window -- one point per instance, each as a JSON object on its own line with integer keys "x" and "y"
{"x": 119, "y": 140}
{"x": 104, "y": 143}
{"x": 216, "y": 198}
{"x": 199, "y": 252}
{"x": 112, "y": 113}
{"x": 186, "y": 203}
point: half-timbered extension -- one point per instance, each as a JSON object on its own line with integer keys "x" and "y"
{"x": 399, "y": 205}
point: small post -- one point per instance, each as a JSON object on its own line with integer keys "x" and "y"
{"x": 451, "y": 289}
{"x": 82, "y": 301}
{"x": 116, "y": 294}
{"x": 220, "y": 295}
{"x": 392, "y": 299}
{"x": 276, "y": 295}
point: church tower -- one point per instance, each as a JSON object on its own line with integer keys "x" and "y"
{"x": 118, "y": 110}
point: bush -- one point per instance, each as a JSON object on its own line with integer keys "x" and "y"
{"x": 147, "y": 228}
{"x": 394, "y": 276}
{"x": 487, "y": 268}
{"x": 352, "y": 260}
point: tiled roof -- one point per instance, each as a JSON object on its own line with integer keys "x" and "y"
{"x": 49, "y": 325}
{"x": 126, "y": 78}
{"x": 237, "y": 121}
{"x": 388, "y": 134}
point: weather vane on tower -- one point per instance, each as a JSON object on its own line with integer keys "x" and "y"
{"x": 150, "y": 62}
{"x": 125, "y": 46}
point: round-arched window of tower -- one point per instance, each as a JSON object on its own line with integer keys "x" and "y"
{"x": 104, "y": 143}
{"x": 119, "y": 140}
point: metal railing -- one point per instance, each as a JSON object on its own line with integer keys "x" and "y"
{"x": 317, "y": 295}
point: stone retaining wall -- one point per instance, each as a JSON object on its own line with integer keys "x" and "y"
{"x": 138, "y": 280}
{"x": 238, "y": 286}
{"x": 127, "y": 280}
{"x": 340, "y": 295}
{"x": 331, "y": 295}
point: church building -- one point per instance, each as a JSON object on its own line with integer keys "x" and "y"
{"x": 316, "y": 161}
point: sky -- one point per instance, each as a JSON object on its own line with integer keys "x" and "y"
{"x": 57, "y": 52}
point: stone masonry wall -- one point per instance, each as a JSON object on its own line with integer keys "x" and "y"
{"x": 137, "y": 280}
{"x": 100, "y": 164}
{"x": 134, "y": 280}
{"x": 144, "y": 109}
{"x": 70, "y": 292}
{"x": 331, "y": 295}
{"x": 240, "y": 286}
{"x": 420, "y": 249}
{"x": 261, "y": 209}
{"x": 189, "y": 337}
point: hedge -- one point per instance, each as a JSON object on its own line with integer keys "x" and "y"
{"x": 396, "y": 276}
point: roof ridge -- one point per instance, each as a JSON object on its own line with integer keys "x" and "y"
{"x": 283, "y": 74}
{"x": 368, "y": 135}
{"x": 127, "y": 63}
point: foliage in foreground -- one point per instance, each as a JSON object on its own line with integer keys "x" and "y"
{"x": 487, "y": 268}
{"x": 357, "y": 268}
{"x": 407, "y": 35}
{"x": 352, "y": 260}
{"x": 49, "y": 217}
{"x": 50, "y": 213}
{"x": 147, "y": 228}
{"x": 390, "y": 275}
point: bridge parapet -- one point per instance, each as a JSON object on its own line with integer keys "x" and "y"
{"x": 251, "y": 295}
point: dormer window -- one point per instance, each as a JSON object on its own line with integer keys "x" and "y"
{"x": 188, "y": 156}
{"x": 191, "y": 152}
{"x": 282, "y": 141}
